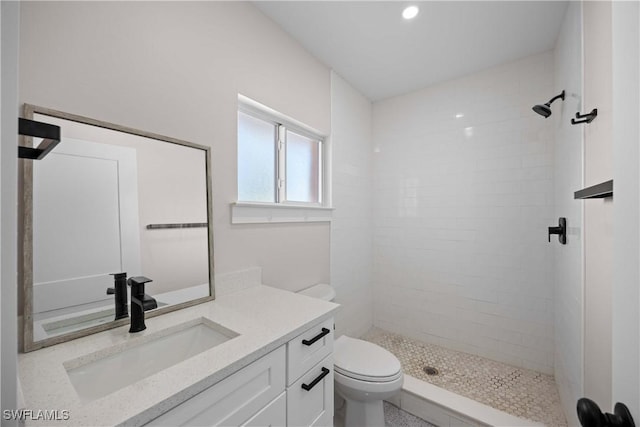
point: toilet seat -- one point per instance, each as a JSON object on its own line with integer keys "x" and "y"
{"x": 366, "y": 378}
{"x": 365, "y": 361}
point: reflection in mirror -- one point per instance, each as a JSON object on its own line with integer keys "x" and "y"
{"x": 107, "y": 200}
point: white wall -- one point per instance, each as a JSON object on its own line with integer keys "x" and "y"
{"x": 10, "y": 29}
{"x": 598, "y": 213}
{"x": 351, "y": 229}
{"x": 461, "y": 210}
{"x": 1, "y": 352}
{"x": 176, "y": 68}
{"x": 568, "y": 177}
{"x": 626, "y": 216}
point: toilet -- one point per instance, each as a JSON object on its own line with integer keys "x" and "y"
{"x": 364, "y": 373}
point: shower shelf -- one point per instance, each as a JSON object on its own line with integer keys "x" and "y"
{"x": 180, "y": 225}
{"x": 599, "y": 191}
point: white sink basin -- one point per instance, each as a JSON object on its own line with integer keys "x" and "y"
{"x": 99, "y": 374}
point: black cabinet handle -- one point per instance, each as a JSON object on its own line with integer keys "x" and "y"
{"x": 324, "y": 332}
{"x": 324, "y": 373}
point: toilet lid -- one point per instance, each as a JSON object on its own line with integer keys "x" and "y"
{"x": 364, "y": 360}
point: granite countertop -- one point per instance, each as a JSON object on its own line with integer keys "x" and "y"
{"x": 264, "y": 317}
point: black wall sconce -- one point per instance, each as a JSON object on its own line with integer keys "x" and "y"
{"x": 588, "y": 118}
{"x": 50, "y": 134}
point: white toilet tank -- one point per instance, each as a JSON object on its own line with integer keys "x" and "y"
{"x": 321, "y": 291}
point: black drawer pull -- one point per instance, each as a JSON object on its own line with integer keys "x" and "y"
{"x": 324, "y": 332}
{"x": 324, "y": 373}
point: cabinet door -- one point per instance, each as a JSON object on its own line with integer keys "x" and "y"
{"x": 235, "y": 399}
{"x": 273, "y": 415}
{"x": 309, "y": 348}
{"x": 310, "y": 399}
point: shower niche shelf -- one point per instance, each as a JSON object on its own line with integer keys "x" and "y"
{"x": 598, "y": 191}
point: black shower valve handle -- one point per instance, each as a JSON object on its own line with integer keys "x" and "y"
{"x": 560, "y": 230}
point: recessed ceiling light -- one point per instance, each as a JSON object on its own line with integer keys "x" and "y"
{"x": 459, "y": 116}
{"x": 410, "y": 12}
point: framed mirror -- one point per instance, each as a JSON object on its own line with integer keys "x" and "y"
{"x": 110, "y": 200}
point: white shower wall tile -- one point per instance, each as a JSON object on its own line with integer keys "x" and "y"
{"x": 569, "y": 296}
{"x": 461, "y": 210}
{"x": 352, "y": 221}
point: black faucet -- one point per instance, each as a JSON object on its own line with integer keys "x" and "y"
{"x": 140, "y": 302}
{"x": 120, "y": 291}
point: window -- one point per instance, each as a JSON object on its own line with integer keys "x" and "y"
{"x": 278, "y": 162}
{"x": 256, "y": 159}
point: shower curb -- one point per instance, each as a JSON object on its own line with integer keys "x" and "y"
{"x": 444, "y": 408}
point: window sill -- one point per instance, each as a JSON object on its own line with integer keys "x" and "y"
{"x": 265, "y": 213}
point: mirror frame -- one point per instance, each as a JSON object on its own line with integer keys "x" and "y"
{"x": 25, "y": 227}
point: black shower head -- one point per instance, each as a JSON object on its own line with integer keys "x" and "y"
{"x": 545, "y": 110}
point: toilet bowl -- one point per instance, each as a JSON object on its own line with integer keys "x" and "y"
{"x": 364, "y": 373}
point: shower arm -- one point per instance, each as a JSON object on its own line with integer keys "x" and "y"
{"x": 561, "y": 96}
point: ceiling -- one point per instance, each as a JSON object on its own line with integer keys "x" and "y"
{"x": 382, "y": 55}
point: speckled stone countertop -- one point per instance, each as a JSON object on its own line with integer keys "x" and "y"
{"x": 264, "y": 317}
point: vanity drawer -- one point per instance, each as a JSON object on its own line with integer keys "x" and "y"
{"x": 310, "y": 399}
{"x": 309, "y": 348}
{"x": 235, "y": 399}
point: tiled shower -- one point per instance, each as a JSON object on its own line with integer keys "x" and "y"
{"x": 463, "y": 196}
{"x": 465, "y": 179}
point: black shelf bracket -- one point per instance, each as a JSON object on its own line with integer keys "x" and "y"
{"x": 599, "y": 191}
{"x": 48, "y": 132}
{"x": 588, "y": 118}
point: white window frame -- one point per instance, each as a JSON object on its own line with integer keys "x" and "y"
{"x": 283, "y": 210}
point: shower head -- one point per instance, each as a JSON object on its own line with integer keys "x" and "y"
{"x": 545, "y": 110}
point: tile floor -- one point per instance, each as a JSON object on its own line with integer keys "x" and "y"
{"x": 517, "y": 391}
{"x": 396, "y": 417}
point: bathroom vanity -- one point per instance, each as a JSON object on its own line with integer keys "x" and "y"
{"x": 253, "y": 356}
{"x": 260, "y": 356}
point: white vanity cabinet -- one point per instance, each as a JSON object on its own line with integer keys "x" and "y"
{"x": 274, "y": 414}
{"x": 310, "y": 399}
{"x": 310, "y": 377}
{"x": 236, "y": 399}
{"x": 291, "y": 386}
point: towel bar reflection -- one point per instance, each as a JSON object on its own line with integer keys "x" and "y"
{"x": 178, "y": 225}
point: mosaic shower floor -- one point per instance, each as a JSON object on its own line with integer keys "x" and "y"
{"x": 517, "y": 391}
